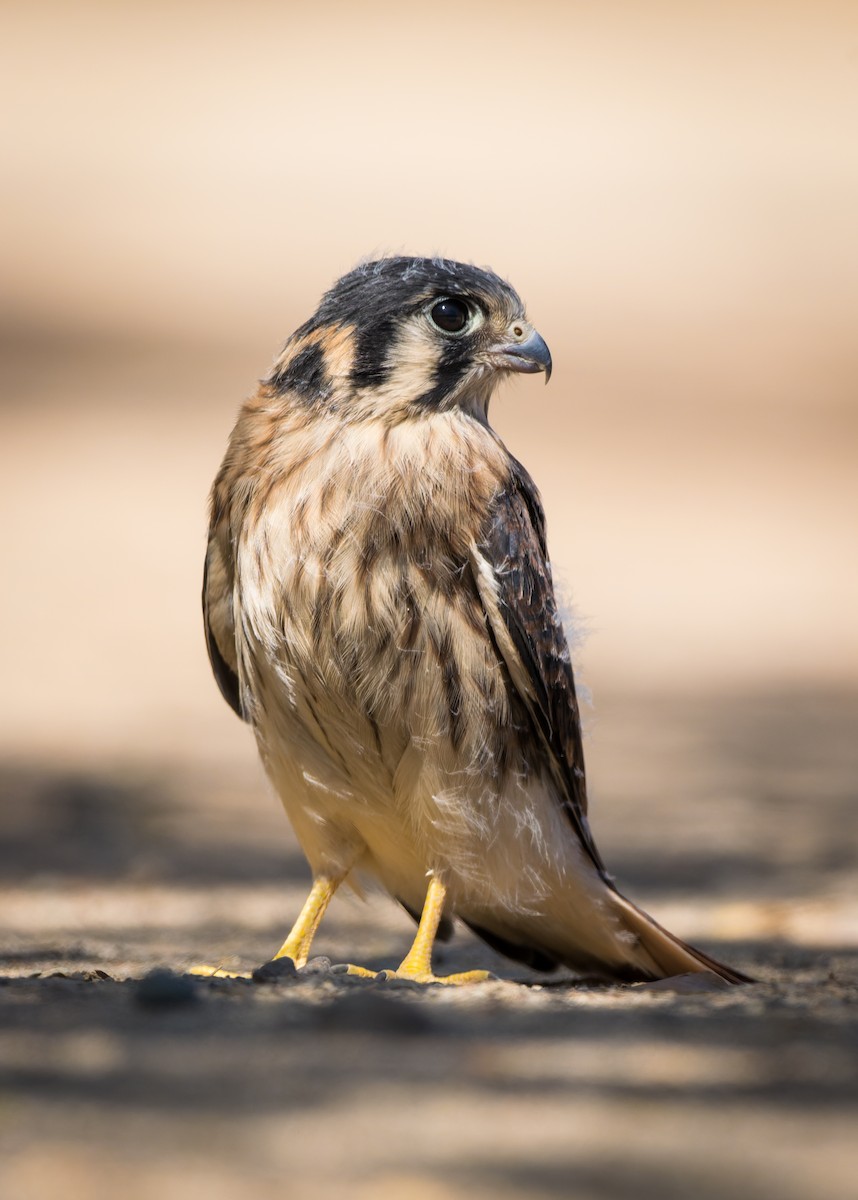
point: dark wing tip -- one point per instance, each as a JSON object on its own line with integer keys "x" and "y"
{"x": 225, "y": 677}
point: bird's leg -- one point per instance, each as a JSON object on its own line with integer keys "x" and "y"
{"x": 297, "y": 944}
{"x": 417, "y": 964}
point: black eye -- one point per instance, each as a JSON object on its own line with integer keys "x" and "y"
{"x": 450, "y": 315}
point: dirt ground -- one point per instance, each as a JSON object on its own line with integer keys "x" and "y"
{"x": 739, "y": 833}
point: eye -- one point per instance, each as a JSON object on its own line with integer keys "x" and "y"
{"x": 450, "y": 315}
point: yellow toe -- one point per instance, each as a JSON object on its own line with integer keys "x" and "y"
{"x": 462, "y": 977}
{"x": 209, "y": 972}
{"x": 361, "y": 972}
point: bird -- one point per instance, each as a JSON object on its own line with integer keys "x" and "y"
{"x": 379, "y": 608}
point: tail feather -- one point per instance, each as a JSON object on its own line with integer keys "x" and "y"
{"x": 630, "y": 947}
{"x": 669, "y": 954}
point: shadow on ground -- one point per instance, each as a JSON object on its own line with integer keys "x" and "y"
{"x": 537, "y": 1089}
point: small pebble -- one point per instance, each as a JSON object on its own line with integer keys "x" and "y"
{"x": 317, "y": 966}
{"x": 275, "y": 970}
{"x": 164, "y": 989}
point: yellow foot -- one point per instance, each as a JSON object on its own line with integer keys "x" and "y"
{"x": 428, "y": 977}
{"x": 351, "y": 969}
{"x": 414, "y": 976}
{"x": 210, "y": 972}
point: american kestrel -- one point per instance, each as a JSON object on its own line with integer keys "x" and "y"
{"x": 379, "y": 608}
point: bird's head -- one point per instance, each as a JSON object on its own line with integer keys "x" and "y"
{"x": 403, "y": 336}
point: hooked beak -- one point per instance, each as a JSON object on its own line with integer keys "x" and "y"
{"x": 525, "y": 351}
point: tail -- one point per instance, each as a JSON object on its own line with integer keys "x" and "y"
{"x": 659, "y": 954}
{"x": 618, "y": 942}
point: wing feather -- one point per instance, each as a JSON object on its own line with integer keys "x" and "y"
{"x": 219, "y": 620}
{"x": 515, "y": 584}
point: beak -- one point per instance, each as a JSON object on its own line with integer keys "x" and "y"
{"x": 525, "y": 351}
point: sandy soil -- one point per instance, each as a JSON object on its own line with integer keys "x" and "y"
{"x": 525, "y": 1087}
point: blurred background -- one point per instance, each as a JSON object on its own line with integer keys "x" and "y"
{"x": 673, "y": 189}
